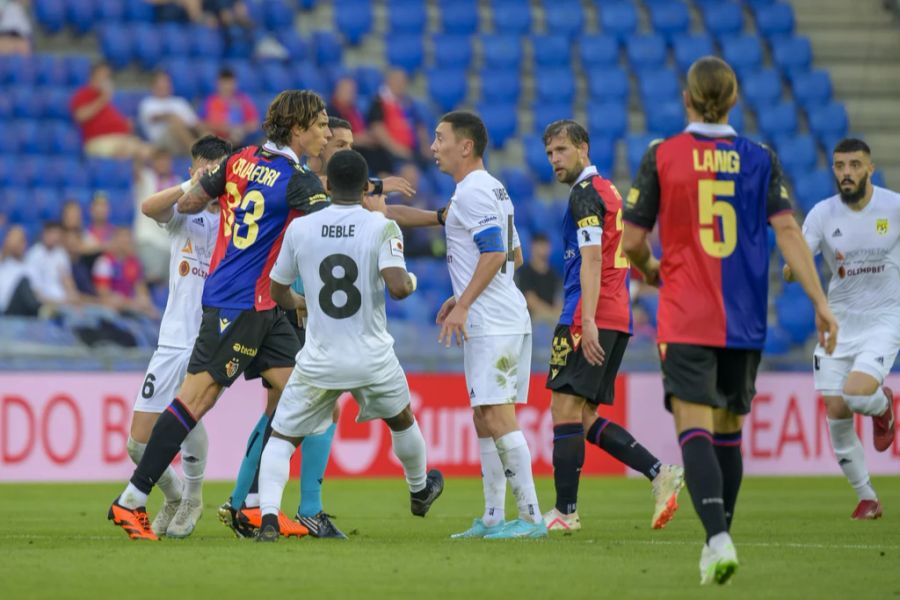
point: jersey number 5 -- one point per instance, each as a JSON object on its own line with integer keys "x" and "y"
{"x": 249, "y": 219}
{"x": 710, "y": 208}
{"x": 344, "y": 283}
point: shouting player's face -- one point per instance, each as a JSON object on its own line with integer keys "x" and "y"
{"x": 448, "y": 149}
{"x": 851, "y": 173}
{"x": 314, "y": 139}
{"x": 567, "y": 159}
{"x": 341, "y": 139}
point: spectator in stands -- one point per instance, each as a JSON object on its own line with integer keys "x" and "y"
{"x": 17, "y": 296}
{"x": 15, "y": 28}
{"x": 105, "y": 131}
{"x": 230, "y": 113}
{"x": 49, "y": 268}
{"x": 178, "y": 10}
{"x": 99, "y": 233}
{"x": 72, "y": 217}
{"x": 343, "y": 105}
{"x": 167, "y": 120}
{"x": 540, "y": 284}
{"x": 119, "y": 277}
{"x": 397, "y": 138}
{"x": 228, "y": 13}
{"x": 151, "y": 239}
{"x": 82, "y": 275}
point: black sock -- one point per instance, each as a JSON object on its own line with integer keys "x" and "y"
{"x": 622, "y": 446}
{"x": 254, "y": 487}
{"x": 568, "y": 458}
{"x": 269, "y": 519}
{"x": 173, "y": 425}
{"x": 731, "y": 463}
{"x": 704, "y": 479}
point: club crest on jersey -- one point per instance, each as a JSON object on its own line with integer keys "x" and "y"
{"x": 881, "y": 226}
{"x": 397, "y": 247}
{"x": 184, "y": 268}
{"x": 231, "y": 368}
{"x": 223, "y": 324}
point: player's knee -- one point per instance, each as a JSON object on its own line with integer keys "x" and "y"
{"x": 565, "y": 409}
{"x": 836, "y": 407}
{"x": 863, "y": 385}
{"x": 402, "y": 421}
{"x": 500, "y": 419}
{"x": 725, "y": 421}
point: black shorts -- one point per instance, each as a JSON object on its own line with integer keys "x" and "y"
{"x": 232, "y": 342}
{"x": 571, "y": 373}
{"x": 717, "y": 377}
{"x": 299, "y": 331}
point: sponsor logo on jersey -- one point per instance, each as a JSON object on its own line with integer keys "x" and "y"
{"x": 184, "y": 268}
{"x": 316, "y": 198}
{"x": 584, "y": 184}
{"x": 487, "y": 219}
{"x": 880, "y": 360}
{"x": 500, "y": 194}
{"x": 223, "y": 324}
{"x": 576, "y": 340}
{"x": 397, "y": 247}
{"x": 188, "y": 248}
{"x": 881, "y": 226}
{"x": 242, "y": 349}
{"x": 591, "y": 221}
{"x": 196, "y": 221}
{"x": 569, "y": 255}
{"x": 837, "y": 233}
{"x": 231, "y": 368}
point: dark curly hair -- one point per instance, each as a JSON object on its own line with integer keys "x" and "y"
{"x": 289, "y": 108}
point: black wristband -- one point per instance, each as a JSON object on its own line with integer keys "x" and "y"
{"x": 440, "y": 215}
{"x": 379, "y": 186}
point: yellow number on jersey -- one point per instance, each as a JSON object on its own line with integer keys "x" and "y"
{"x": 710, "y": 208}
{"x": 621, "y": 260}
{"x": 250, "y": 217}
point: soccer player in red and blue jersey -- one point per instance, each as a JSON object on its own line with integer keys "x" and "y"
{"x": 261, "y": 189}
{"x": 712, "y": 192}
{"x": 592, "y": 334}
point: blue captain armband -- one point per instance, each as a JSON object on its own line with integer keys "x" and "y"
{"x": 490, "y": 240}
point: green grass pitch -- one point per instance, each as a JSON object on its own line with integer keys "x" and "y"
{"x": 794, "y": 539}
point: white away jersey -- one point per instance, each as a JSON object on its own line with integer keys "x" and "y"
{"x": 339, "y": 253}
{"x": 481, "y": 202}
{"x": 862, "y": 250}
{"x": 193, "y": 240}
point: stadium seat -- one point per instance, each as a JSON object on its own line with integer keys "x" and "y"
{"x": 688, "y": 48}
{"x": 148, "y": 48}
{"x": 743, "y": 52}
{"x": 723, "y": 19}
{"x": 270, "y": 14}
{"x": 618, "y": 19}
{"x": 329, "y": 52}
{"x": 554, "y": 85}
{"x": 607, "y": 119}
{"x": 812, "y": 89}
{"x": 452, "y": 51}
{"x": 563, "y": 17}
{"x": 109, "y": 11}
{"x": 501, "y": 51}
{"x": 545, "y": 113}
{"x": 81, "y": 15}
{"x": 500, "y": 85}
{"x": 297, "y": 47}
{"x": 508, "y": 17}
{"x": 247, "y": 75}
{"x": 602, "y": 153}
{"x": 637, "y": 144}
{"x": 518, "y": 183}
{"x": 17, "y": 70}
{"x": 65, "y": 139}
{"x": 405, "y": 51}
{"x": 778, "y": 342}
{"x": 537, "y": 163}
{"x": 761, "y": 88}
{"x": 116, "y": 45}
{"x": 78, "y": 69}
{"x": 274, "y": 76}
{"x": 127, "y": 101}
{"x": 736, "y": 118}
{"x": 551, "y": 51}
{"x": 878, "y": 179}
{"x": 49, "y": 203}
{"x": 51, "y": 14}
{"x": 185, "y": 78}
{"x": 775, "y": 20}
{"x": 406, "y": 16}
{"x": 138, "y": 11}
{"x": 598, "y": 51}
{"x": 369, "y": 80}
{"x": 778, "y": 120}
{"x": 447, "y": 87}
{"x": 176, "y": 42}
{"x": 646, "y": 51}
{"x": 829, "y": 120}
{"x": 501, "y": 121}
{"x": 670, "y": 19}
{"x": 798, "y": 154}
{"x": 796, "y": 316}
{"x": 353, "y": 19}
{"x": 459, "y": 16}
{"x": 50, "y": 70}
{"x": 206, "y": 42}
{"x": 658, "y": 85}
{"x": 22, "y": 209}
{"x": 610, "y": 83}
{"x": 813, "y": 187}
{"x": 792, "y": 55}
{"x": 309, "y": 76}
{"x": 26, "y": 104}
{"x": 666, "y": 117}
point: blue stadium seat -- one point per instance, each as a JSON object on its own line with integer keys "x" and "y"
{"x": 736, "y": 118}
{"x": 518, "y": 183}
{"x": 563, "y": 17}
{"x": 353, "y": 19}
{"x": 406, "y": 52}
{"x": 138, "y": 11}
{"x": 829, "y": 120}
{"x": 551, "y": 51}
{"x": 110, "y": 11}
{"x": 778, "y": 342}
{"x": 50, "y": 70}
{"x": 743, "y": 52}
{"x": 270, "y": 14}
{"x": 309, "y": 76}
{"x": 500, "y": 85}
{"x": 74, "y": 175}
{"x": 147, "y": 45}
{"x": 49, "y": 203}
{"x": 275, "y": 76}
{"x": 26, "y": 104}
{"x": 775, "y": 20}
{"x": 81, "y": 15}
{"x": 554, "y": 85}
{"x": 607, "y": 119}
{"x": 501, "y": 121}
{"x": 26, "y": 133}
{"x": 610, "y": 83}
{"x": 65, "y": 140}
{"x": 659, "y": 85}
{"x": 537, "y": 163}
{"x": 185, "y": 77}
{"x": 17, "y": 70}
{"x": 368, "y": 80}
{"x": 598, "y": 51}
{"x": 812, "y": 89}
{"x": 603, "y": 154}
{"x": 122, "y": 210}
{"x": 778, "y": 120}
{"x": 666, "y": 117}
{"x": 116, "y": 45}
{"x": 796, "y": 316}
{"x": 406, "y": 16}
{"x": 78, "y": 69}
{"x": 51, "y": 14}
{"x": 756, "y": 4}
{"x": 22, "y": 209}
{"x": 878, "y": 179}
{"x": 247, "y": 75}
{"x": 459, "y": 16}
{"x": 761, "y": 88}
{"x": 501, "y": 51}
{"x": 110, "y": 173}
{"x": 451, "y": 50}
{"x": 637, "y": 144}
{"x": 670, "y": 19}
{"x": 447, "y": 87}
{"x": 207, "y": 42}
{"x": 127, "y": 101}
{"x": 545, "y": 113}
{"x": 241, "y": 42}
{"x": 723, "y": 19}
{"x": 329, "y": 52}
{"x": 297, "y": 47}
{"x": 688, "y": 48}
{"x": 798, "y": 154}
{"x": 618, "y": 19}
{"x": 508, "y": 17}
{"x": 792, "y": 55}
{"x": 646, "y": 51}
{"x": 813, "y": 187}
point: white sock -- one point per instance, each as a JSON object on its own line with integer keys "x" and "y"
{"x": 252, "y": 500}
{"x": 850, "y": 455}
{"x": 132, "y": 497}
{"x": 169, "y": 484}
{"x": 193, "y": 461}
{"x": 872, "y": 406}
{"x": 494, "y": 482}
{"x": 719, "y": 541}
{"x": 274, "y": 469}
{"x": 409, "y": 447}
{"x": 516, "y": 459}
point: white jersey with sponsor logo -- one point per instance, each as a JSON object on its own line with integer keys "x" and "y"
{"x": 339, "y": 253}
{"x": 193, "y": 241}
{"x": 862, "y": 250}
{"x": 479, "y": 203}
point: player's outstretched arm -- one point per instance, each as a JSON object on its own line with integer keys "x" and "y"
{"x": 194, "y": 200}
{"x": 408, "y": 216}
{"x": 399, "y": 282}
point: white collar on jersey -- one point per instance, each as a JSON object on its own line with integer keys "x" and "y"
{"x": 712, "y": 129}
{"x": 587, "y": 172}
{"x": 285, "y": 151}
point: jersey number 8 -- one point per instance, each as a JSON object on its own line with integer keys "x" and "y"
{"x": 344, "y": 283}
{"x": 249, "y": 219}
{"x": 710, "y": 208}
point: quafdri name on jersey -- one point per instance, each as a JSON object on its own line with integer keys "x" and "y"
{"x": 255, "y": 172}
{"x": 716, "y": 161}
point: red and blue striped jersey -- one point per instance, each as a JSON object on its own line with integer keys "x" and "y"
{"x": 260, "y": 191}
{"x": 712, "y": 192}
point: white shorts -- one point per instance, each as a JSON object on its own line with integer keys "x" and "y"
{"x": 498, "y": 368}
{"x": 830, "y": 373}
{"x": 305, "y": 409}
{"x": 165, "y": 373}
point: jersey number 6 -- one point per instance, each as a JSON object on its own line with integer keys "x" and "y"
{"x": 710, "y": 208}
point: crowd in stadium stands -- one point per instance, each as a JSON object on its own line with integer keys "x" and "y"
{"x": 15, "y": 28}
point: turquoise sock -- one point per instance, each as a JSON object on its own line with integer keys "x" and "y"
{"x": 250, "y": 463}
{"x": 315, "y": 450}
